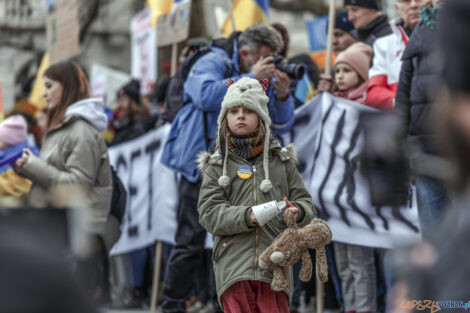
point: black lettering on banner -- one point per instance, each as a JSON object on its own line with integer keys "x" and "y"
{"x": 342, "y": 185}
{"x": 121, "y": 163}
{"x": 378, "y": 211}
{"x": 132, "y": 230}
{"x": 338, "y": 133}
{"x": 399, "y": 217}
{"x": 351, "y": 192}
{"x": 151, "y": 149}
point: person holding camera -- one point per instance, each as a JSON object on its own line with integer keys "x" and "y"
{"x": 194, "y": 128}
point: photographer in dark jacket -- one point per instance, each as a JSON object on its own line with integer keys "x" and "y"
{"x": 422, "y": 64}
{"x": 368, "y": 20}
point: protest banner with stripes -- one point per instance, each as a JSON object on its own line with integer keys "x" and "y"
{"x": 329, "y": 140}
{"x": 152, "y": 193}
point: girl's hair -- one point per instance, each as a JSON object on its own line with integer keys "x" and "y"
{"x": 74, "y": 88}
{"x": 224, "y": 130}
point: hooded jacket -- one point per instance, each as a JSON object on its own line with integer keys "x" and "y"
{"x": 224, "y": 212}
{"x": 386, "y": 65}
{"x": 422, "y": 64}
{"x": 74, "y": 153}
{"x": 194, "y": 128}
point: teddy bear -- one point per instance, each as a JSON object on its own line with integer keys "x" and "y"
{"x": 291, "y": 245}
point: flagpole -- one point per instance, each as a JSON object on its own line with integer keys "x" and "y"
{"x": 229, "y": 4}
{"x": 156, "y": 275}
{"x": 329, "y": 48}
{"x": 329, "y": 44}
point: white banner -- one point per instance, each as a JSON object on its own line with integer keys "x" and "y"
{"x": 105, "y": 83}
{"x": 152, "y": 193}
{"x": 328, "y": 140}
{"x": 144, "y": 51}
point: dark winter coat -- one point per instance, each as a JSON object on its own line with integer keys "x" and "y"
{"x": 418, "y": 77}
{"x": 379, "y": 27}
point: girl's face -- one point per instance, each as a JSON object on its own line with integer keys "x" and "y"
{"x": 345, "y": 77}
{"x": 242, "y": 121}
{"x": 52, "y": 92}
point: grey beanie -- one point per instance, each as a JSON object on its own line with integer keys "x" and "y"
{"x": 249, "y": 93}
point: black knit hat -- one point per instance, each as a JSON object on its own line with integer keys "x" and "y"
{"x": 132, "y": 90}
{"x": 454, "y": 29}
{"x": 342, "y": 21}
{"x": 370, "y": 4}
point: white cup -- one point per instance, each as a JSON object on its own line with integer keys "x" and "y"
{"x": 266, "y": 211}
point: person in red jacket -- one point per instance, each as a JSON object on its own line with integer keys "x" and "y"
{"x": 388, "y": 51}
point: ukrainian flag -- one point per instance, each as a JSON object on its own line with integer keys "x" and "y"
{"x": 160, "y": 7}
{"x": 36, "y": 97}
{"x": 317, "y": 38}
{"x": 247, "y": 13}
{"x": 305, "y": 90}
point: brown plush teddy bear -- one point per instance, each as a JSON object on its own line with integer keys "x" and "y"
{"x": 291, "y": 245}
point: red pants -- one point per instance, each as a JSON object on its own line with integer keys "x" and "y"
{"x": 251, "y": 296}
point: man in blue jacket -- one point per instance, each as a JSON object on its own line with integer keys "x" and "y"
{"x": 194, "y": 130}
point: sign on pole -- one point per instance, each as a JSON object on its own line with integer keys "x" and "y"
{"x": 62, "y": 29}
{"x": 144, "y": 51}
{"x": 174, "y": 26}
{"x": 105, "y": 82}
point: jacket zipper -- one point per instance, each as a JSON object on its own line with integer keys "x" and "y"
{"x": 257, "y": 227}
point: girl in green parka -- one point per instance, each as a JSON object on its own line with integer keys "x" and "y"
{"x": 248, "y": 168}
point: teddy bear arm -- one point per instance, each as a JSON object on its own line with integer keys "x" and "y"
{"x": 306, "y": 269}
{"x": 279, "y": 279}
{"x": 289, "y": 218}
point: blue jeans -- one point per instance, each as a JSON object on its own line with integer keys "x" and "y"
{"x": 432, "y": 199}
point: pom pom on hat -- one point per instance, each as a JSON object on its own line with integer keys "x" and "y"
{"x": 266, "y": 185}
{"x": 224, "y": 181}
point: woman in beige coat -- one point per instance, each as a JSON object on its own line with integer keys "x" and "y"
{"x": 73, "y": 153}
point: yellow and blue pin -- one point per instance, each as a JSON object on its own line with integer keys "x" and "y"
{"x": 245, "y": 171}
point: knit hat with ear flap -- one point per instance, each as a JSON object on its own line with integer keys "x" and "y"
{"x": 249, "y": 93}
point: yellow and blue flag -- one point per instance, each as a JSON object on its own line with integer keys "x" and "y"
{"x": 1, "y": 104}
{"x": 246, "y": 13}
{"x": 160, "y": 7}
{"x": 317, "y": 38}
{"x": 305, "y": 89}
{"x": 36, "y": 97}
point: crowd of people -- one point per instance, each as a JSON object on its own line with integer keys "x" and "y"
{"x": 229, "y": 100}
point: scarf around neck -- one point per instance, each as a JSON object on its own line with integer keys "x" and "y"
{"x": 245, "y": 146}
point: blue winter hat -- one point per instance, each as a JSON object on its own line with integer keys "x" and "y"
{"x": 342, "y": 21}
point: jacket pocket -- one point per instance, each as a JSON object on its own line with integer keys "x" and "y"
{"x": 221, "y": 245}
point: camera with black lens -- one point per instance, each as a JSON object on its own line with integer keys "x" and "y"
{"x": 293, "y": 70}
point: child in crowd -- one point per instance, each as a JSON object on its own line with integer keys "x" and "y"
{"x": 13, "y": 131}
{"x": 351, "y": 74}
{"x": 355, "y": 264}
{"x": 248, "y": 168}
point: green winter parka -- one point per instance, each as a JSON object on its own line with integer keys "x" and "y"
{"x": 224, "y": 212}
